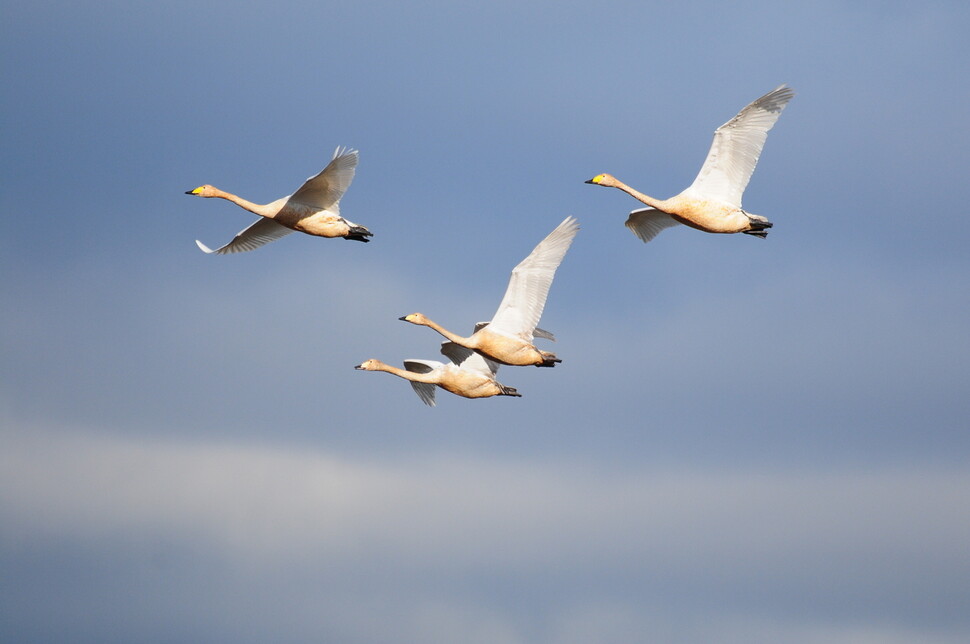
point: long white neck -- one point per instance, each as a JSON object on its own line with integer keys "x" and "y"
{"x": 430, "y": 377}
{"x": 636, "y": 194}
{"x": 269, "y": 210}
{"x": 457, "y": 339}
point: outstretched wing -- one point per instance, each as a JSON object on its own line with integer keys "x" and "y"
{"x": 468, "y": 359}
{"x": 325, "y": 190}
{"x": 736, "y": 148}
{"x": 647, "y": 223}
{"x": 263, "y": 231}
{"x": 520, "y": 309}
{"x": 424, "y": 390}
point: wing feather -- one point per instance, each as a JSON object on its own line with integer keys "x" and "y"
{"x": 424, "y": 390}
{"x": 324, "y": 190}
{"x": 525, "y": 298}
{"x": 736, "y": 147}
{"x": 468, "y": 359}
{"x": 263, "y": 231}
{"x": 647, "y": 223}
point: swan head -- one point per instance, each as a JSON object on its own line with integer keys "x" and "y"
{"x": 369, "y": 365}
{"x": 203, "y": 191}
{"x": 604, "y": 179}
{"x": 415, "y": 318}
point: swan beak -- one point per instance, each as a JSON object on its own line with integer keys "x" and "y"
{"x": 194, "y": 191}
{"x": 358, "y": 366}
{"x": 589, "y": 181}
{"x": 403, "y": 318}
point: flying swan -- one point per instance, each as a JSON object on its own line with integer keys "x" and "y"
{"x": 713, "y": 202}
{"x": 467, "y": 374}
{"x": 314, "y": 209}
{"x": 508, "y": 337}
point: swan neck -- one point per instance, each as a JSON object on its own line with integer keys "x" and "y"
{"x": 457, "y": 339}
{"x": 266, "y": 210}
{"x": 407, "y": 375}
{"x": 636, "y": 194}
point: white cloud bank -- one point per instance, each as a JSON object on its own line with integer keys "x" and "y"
{"x": 444, "y": 546}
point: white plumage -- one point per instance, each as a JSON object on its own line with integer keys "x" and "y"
{"x": 712, "y": 203}
{"x": 508, "y": 338}
{"x": 313, "y": 209}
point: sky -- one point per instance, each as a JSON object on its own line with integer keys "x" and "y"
{"x": 747, "y": 441}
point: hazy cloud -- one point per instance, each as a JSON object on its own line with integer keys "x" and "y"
{"x": 408, "y": 537}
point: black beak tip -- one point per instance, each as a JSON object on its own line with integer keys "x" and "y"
{"x": 357, "y": 366}
{"x": 589, "y": 181}
{"x": 403, "y": 318}
{"x": 188, "y": 192}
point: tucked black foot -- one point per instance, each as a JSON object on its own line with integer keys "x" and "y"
{"x": 510, "y": 391}
{"x": 359, "y": 233}
{"x": 759, "y": 227}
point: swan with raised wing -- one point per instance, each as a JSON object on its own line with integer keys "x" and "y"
{"x": 508, "y": 338}
{"x": 713, "y": 202}
{"x": 314, "y": 209}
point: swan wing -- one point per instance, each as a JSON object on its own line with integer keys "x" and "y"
{"x": 647, "y": 223}
{"x": 542, "y": 333}
{"x": 325, "y": 189}
{"x": 520, "y": 309}
{"x": 424, "y": 390}
{"x": 263, "y": 231}
{"x": 468, "y": 359}
{"x": 736, "y": 147}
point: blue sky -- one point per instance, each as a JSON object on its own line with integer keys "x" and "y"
{"x": 751, "y": 441}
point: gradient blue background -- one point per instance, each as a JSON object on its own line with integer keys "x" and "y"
{"x": 747, "y": 441}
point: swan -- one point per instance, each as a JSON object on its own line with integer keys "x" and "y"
{"x": 713, "y": 202}
{"x": 313, "y": 209}
{"x": 508, "y": 337}
{"x": 467, "y": 374}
